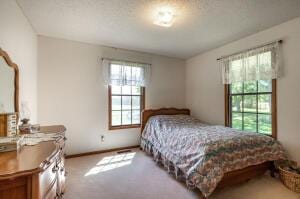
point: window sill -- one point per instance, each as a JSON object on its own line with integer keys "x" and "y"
{"x": 124, "y": 127}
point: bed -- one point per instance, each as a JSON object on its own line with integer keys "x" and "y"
{"x": 205, "y": 156}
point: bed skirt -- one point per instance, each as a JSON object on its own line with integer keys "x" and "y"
{"x": 150, "y": 149}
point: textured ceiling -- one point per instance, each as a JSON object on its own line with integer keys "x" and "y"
{"x": 200, "y": 25}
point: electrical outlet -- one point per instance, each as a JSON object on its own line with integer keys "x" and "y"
{"x": 102, "y": 138}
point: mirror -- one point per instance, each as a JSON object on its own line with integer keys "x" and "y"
{"x": 9, "y": 77}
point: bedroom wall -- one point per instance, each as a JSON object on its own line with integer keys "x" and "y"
{"x": 71, "y": 91}
{"x": 19, "y": 40}
{"x": 205, "y": 92}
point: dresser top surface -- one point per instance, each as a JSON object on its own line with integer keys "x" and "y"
{"x": 29, "y": 159}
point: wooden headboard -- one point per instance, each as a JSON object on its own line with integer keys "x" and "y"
{"x": 147, "y": 113}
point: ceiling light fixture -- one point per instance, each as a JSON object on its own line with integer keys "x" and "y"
{"x": 164, "y": 16}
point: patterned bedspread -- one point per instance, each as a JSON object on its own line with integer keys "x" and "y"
{"x": 201, "y": 154}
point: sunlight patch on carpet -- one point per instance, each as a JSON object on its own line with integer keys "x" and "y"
{"x": 111, "y": 162}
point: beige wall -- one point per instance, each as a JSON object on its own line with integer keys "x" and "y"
{"x": 72, "y": 92}
{"x": 19, "y": 40}
{"x": 205, "y": 92}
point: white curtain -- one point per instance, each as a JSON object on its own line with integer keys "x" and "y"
{"x": 123, "y": 73}
{"x": 256, "y": 64}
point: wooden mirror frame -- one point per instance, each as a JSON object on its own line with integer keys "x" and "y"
{"x": 16, "y": 79}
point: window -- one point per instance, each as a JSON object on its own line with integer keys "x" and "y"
{"x": 126, "y": 90}
{"x": 125, "y": 106}
{"x": 251, "y": 106}
{"x": 250, "y": 88}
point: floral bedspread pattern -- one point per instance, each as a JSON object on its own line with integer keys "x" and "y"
{"x": 200, "y": 154}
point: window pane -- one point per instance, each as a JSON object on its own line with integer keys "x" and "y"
{"x": 115, "y": 118}
{"x": 237, "y": 121}
{"x": 136, "y": 102}
{"x": 250, "y": 122}
{"x": 250, "y": 87}
{"x": 116, "y": 102}
{"x": 236, "y": 103}
{"x": 249, "y": 103}
{"x": 136, "y": 117}
{"x": 126, "y": 102}
{"x": 126, "y": 90}
{"x": 115, "y": 90}
{"x": 236, "y": 88}
{"x": 126, "y": 117}
{"x": 136, "y": 90}
{"x": 265, "y": 86}
{"x": 265, "y": 124}
{"x": 264, "y": 103}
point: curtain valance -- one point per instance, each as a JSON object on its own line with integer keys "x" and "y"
{"x": 124, "y": 73}
{"x": 260, "y": 63}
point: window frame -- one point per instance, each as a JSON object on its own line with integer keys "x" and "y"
{"x": 228, "y": 107}
{"x": 127, "y": 126}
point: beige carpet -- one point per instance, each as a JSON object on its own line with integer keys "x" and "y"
{"x": 136, "y": 176}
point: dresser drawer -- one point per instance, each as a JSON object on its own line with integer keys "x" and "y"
{"x": 48, "y": 177}
{"x": 52, "y": 191}
{"x": 62, "y": 177}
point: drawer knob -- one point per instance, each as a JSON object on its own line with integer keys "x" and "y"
{"x": 59, "y": 196}
{"x": 54, "y": 169}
